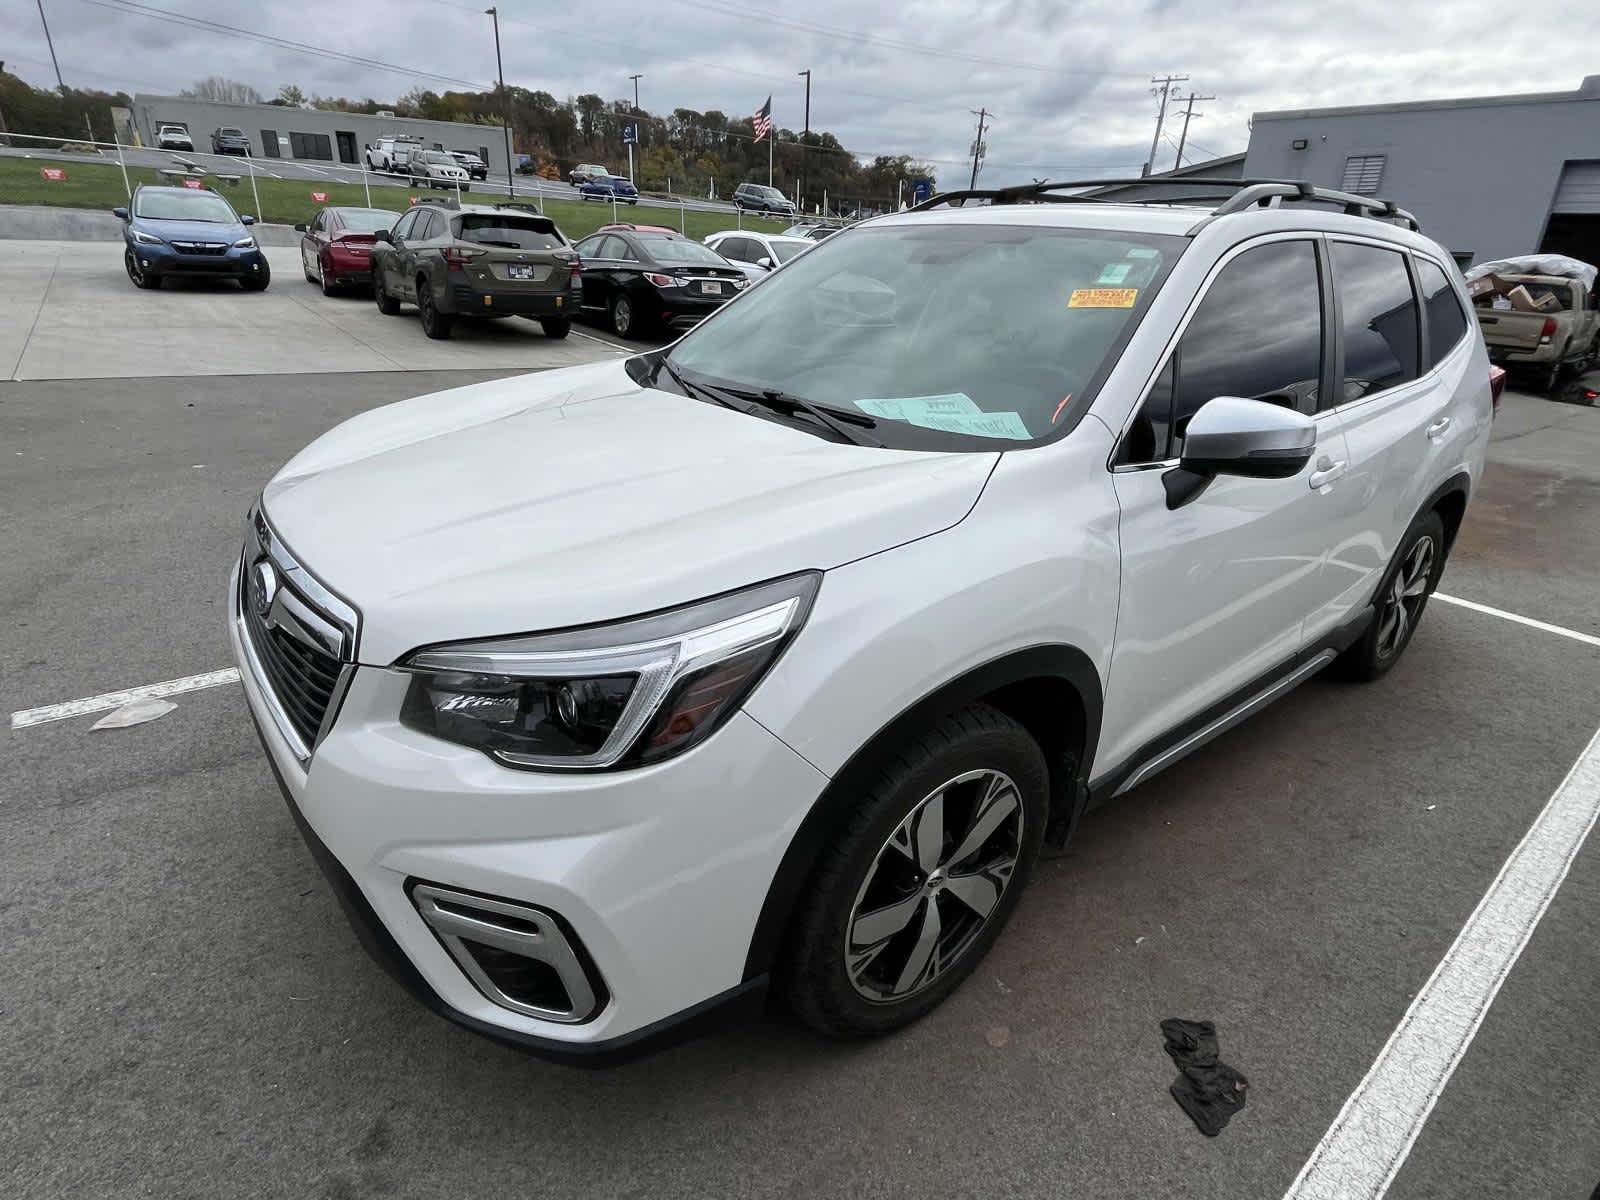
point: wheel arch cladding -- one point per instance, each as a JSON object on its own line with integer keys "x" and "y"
{"x": 1450, "y": 501}
{"x": 1052, "y": 691}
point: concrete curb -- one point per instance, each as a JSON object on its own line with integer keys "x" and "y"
{"x": 46, "y": 223}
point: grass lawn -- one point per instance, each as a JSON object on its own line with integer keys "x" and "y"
{"x": 288, "y": 201}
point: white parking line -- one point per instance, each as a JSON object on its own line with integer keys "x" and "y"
{"x": 1587, "y": 639}
{"x": 89, "y": 704}
{"x": 1365, "y": 1147}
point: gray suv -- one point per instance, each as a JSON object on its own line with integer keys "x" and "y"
{"x": 758, "y": 197}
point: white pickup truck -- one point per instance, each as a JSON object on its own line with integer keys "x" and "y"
{"x": 1543, "y": 317}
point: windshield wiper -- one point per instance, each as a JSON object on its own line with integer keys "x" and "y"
{"x": 837, "y": 419}
{"x": 693, "y": 389}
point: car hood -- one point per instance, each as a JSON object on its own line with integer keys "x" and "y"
{"x": 575, "y": 496}
{"x": 191, "y": 231}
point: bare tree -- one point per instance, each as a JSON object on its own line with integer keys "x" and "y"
{"x": 223, "y": 90}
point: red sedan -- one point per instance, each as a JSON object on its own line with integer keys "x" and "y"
{"x": 336, "y": 250}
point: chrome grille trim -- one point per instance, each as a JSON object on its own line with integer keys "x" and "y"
{"x": 301, "y": 650}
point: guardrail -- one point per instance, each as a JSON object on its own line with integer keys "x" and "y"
{"x": 194, "y": 168}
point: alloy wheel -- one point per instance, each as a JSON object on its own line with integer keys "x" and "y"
{"x": 622, "y": 316}
{"x": 135, "y": 271}
{"x": 1405, "y": 598}
{"x": 934, "y": 886}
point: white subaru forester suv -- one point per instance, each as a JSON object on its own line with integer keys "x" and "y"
{"x": 611, "y": 698}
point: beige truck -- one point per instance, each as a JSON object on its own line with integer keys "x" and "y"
{"x": 1545, "y": 324}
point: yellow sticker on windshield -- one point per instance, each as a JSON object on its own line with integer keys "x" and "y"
{"x": 1103, "y": 297}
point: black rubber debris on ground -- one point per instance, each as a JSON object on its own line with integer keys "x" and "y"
{"x": 1208, "y": 1090}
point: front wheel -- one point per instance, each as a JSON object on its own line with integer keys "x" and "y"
{"x": 140, "y": 277}
{"x": 555, "y": 327}
{"x": 921, "y": 878}
{"x": 257, "y": 280}
{"x": 1402, "y": 596}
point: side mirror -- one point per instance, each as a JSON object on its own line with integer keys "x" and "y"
{"x": 1234, "y": 436}
{"x": 765, "y": 262}
{"x": 120, "y": 213}
{"x": 301, "y": 227}
{"x": 383, "y": 235}
{"x": 247, "y": 219}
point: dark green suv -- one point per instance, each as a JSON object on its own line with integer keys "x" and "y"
{"x": 477, "y": 261}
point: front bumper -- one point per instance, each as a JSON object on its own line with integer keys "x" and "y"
{"x": 165, "y": 260}
{"x": 659, "y": 873}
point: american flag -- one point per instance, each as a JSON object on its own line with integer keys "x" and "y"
{"x": 763, "y": 120}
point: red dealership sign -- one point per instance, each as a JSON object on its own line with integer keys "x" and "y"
{"x": 320, "y": 197}
{"x": 193, "y": 183}
{"x": 56, "y": 174}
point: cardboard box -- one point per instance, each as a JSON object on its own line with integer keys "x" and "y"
{"x": 1521, "y": 301}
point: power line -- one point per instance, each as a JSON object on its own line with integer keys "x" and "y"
{"x": 133, "y": 8}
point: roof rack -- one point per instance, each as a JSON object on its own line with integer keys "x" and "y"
{"x": 442, "y": 201}
{"x": 1247, "y": 193}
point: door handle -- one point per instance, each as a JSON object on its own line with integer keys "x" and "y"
{"x": 1438, "y": 427}
{"x": 1327, "y": 471}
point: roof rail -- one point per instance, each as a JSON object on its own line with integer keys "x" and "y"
{"x": 1247, "y": 193}
{"x": 442, "y": 201}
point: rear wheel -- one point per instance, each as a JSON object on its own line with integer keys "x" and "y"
{"x": 921, "y": 879}
{"x": 1546, "y": 379}
{"x": 387, "y": 304}
{"x": 555, "y": 327}
{"x": 623, "y": 319}
{"x": 324, "y": 278}
{"x": 435, "y": 324}
{"x": 1401, "y": 599}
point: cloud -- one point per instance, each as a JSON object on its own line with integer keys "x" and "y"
{"x": 1067, "y": 80}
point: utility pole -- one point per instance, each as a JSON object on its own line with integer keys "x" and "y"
{"x": 983, "y": 114}
{"x": 505, "y": 106}
{"x": 636, "y": 79}
{"x": 1189, "y": 114}
{"x": 1166, "y": 82}
{"x": 805, "y": 142}
{"x": 48, "y": 41}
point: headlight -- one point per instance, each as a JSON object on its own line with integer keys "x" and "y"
{"x": 244, "y": 243}
{"x": 146, "y": 239}
{"x": 626, "y": 694}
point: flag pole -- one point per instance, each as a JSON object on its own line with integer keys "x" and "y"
{"x": 769, "y": 160}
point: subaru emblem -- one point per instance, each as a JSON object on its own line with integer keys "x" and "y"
{"x": 263, "y": 587}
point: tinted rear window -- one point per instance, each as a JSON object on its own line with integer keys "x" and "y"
{"x": 1447, "y": 323}
{"x": 509, "y": 233}
{"x": 667, "y": 249}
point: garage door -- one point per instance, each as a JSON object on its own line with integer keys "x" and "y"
{"x": 1579, "y": 191}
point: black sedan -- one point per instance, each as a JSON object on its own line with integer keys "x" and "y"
{"x": 643, "y": 280}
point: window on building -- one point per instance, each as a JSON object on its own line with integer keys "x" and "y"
{"x": 1363, "y": 173}
{"x": 1256, "y": 334}
{"x": 1381, "y": 332}
{"x": 311, "y": 145}
{"x": 1447, "y": 323}
{"x": 269, "y": 143}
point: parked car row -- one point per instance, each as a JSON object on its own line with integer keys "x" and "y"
{"x": 454, "y": 260}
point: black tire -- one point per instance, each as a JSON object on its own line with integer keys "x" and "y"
{"x": 435, "y": 324}
{"x": 328, "y": 288}
{"x": 1378, "y": 650}
{"x": 812, "y": 974}
{"x": 138, "y": 276}
{"x": 387, "y": 304}
{"x": 310, "y": 278}
{"x": 555, "y": 327}
{"x": 624, "y": 320}
{"x": 1546, "y": 380}
{"x": 259, "y": 280}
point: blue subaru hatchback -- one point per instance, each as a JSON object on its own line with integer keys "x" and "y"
{"x": 189, "y": 231}
{"x": 607, "y": 187}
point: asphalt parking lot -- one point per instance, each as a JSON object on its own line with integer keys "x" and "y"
{"x": 183, "y": 1011}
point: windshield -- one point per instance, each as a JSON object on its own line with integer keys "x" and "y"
{"x": 510, "y": 233}
{"x": 665, "y": 248}
{"x": 227, "y": 132}
{"x": 787, "y": 250}
{"x": 434, "y": 156}
{"x": 185, "y": 206}
{"x": 367, "y": 220}
{"x": 991, "y": 332}
{"x": 172, "y": 129}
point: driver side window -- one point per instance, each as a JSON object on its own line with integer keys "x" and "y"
{"x": 404, "y": 228}
{"x": 1258, "y": 333}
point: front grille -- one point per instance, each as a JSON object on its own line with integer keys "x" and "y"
{"x": 299, "y": 637}
{"x": 302, "y": 677}
{"x": 200, "y": 247}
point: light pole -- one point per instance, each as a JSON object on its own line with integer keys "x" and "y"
{"x": 48, "y": 41}
{"x": 636, "y": 79}
{"x": 805, "y": 141}
{"x": 505, "y": 106}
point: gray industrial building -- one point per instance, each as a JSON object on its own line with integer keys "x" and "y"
{"x": 309, "y": 134}
{"x": 1487, "y": 177}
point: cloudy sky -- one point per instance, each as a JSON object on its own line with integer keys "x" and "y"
{"x": 1067, "y": 80}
